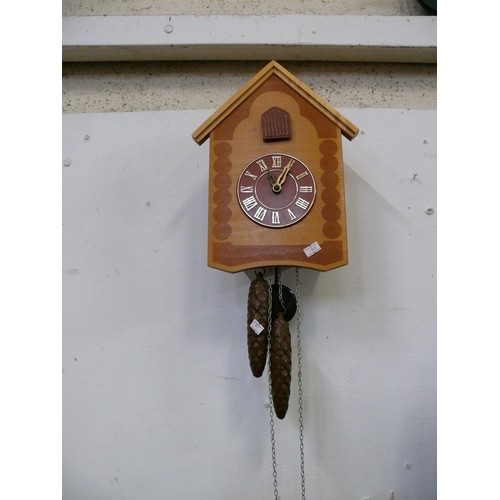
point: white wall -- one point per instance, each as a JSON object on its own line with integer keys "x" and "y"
{"x": 159, "y": 402}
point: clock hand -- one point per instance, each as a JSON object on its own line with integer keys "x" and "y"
{"x": 272, "y": 180}
{"x": 282, "y": 177}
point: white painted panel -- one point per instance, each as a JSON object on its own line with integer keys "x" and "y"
{"x": 159, "y": 401}
{"x": 283, "y": 37}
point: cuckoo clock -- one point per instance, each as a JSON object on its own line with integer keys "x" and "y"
{"x": 276, "y": 181}
{"x": 275, "y": 200}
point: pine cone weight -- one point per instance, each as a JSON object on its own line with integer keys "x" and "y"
{"x": 281, "y": 365}
{"x": 257, "y": 311}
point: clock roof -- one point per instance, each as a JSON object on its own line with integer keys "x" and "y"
{"x": 202, "y": 133}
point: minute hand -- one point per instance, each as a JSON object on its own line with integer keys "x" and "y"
{"x": 282, "y": 177}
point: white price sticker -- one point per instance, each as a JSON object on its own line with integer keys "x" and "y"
{"x": 312, "y": 249}
{"x": 256, "y": 327}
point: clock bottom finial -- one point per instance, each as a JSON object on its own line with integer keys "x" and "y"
{"x": 281, "y": 365}
{"x": 257, "y": 321}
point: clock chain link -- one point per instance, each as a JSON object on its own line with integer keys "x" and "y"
{"x": 271, "y": 407}
{"x": 299, "y": 376}
{"x": 280, "y": 290}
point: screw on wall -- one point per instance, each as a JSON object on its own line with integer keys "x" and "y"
{"x": 415, "y": 178}
{"x": 429, "y": 211}
{"x": 67, "y": 162}
{"x": 168, "y": 29}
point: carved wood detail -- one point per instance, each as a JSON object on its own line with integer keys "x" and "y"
{"x": 276, "y": 124}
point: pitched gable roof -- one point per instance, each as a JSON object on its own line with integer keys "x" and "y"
{"x": 348, "y": 129}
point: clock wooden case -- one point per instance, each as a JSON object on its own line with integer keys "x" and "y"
{"x": 276, "y": 181}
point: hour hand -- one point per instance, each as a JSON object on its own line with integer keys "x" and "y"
{"x": 272, "y": 180}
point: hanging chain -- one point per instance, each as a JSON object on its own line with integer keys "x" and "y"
{"x": 271, "y": 410}
{"x": 280, "y": 291}
{"x": 299, "y": 377}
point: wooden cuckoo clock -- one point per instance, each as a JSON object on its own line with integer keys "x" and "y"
{"x": 276, "y": 181}
{"x": 276, "y": 200}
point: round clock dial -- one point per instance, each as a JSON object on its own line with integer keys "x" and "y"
{"x": 276, "y": 190}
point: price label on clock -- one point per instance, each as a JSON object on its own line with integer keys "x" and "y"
{"x": 256, "y": 327}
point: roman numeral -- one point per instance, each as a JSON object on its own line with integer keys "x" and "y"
{"x": 275, "y": 218}
{"x": 260, "y": 213}
{"x": 306, "y": 189}
{"x": 276, "y": 162}
{"x": 262, "y": 165}
{"x": 248, "y": 174}
{"x": 246, "y": 189}
{"x": 303, "y": 174}
{"x": 249, "y": 203}
{"x": 302, "y": 203}
{"x": 291, "y": 214}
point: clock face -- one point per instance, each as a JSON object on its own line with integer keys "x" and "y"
{"x": 276, "y": 190}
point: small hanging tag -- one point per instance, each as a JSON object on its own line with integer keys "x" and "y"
{"x": 256, "y": 327}
{"x": 312, "y": 249}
